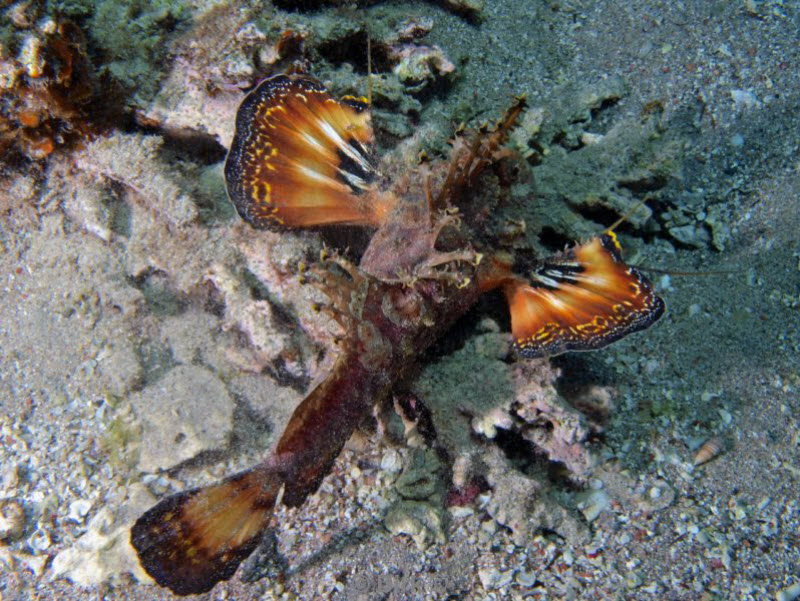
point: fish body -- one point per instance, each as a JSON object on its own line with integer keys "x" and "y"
{"x": 301, "y": 158}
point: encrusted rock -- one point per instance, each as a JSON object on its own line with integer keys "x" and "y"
{"x": 423, "y": 522}
{"x": 417, "y": 66}
{"x": 419, "y": 512}
{"x": 523, "y": 504}
{"x": 132, "y": 160}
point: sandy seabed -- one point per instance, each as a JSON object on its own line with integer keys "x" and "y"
{"x": 105, "y": 271}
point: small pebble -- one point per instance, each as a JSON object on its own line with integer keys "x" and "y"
{"x": 491, "y": 578}
{"x": 597, "y": 501}
{"x": 78, "y": 510}
{"x": 633, "y": 580}
{"x": 391, "y": 461}
{"x": 9, "y": 477}
{"x": 789, "y": 594}
{"x": 524, "y": 578}
{"x": 458, "y": 512}
{"x": 744, "y": 99}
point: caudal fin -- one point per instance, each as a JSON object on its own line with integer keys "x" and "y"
{"x": 190, "y": 541}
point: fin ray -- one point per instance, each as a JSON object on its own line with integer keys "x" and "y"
{"x": 190, "y": 541}
{"x": 301, "y": 158}
{"x": 584, "y": 299}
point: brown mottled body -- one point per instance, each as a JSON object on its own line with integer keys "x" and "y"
{"x": 395, "y": 325}
{"x": 192, "y": 540}
{"x": 399, "y": 300}
{"x": 300, "y": 159}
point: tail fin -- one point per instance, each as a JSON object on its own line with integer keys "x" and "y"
{"x": 190, "y": 541}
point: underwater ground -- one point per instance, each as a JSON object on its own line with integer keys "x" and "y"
{"x": 151, "y": 342}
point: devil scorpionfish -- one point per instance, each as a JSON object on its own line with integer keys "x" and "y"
{"x": 301, "y": 158}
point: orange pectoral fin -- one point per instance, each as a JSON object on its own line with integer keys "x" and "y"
{"x": 584, "y": 299}
{"x": 301, "y": 158}
{"x": 190, "y": 541}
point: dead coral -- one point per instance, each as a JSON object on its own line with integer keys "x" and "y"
{"x": 133, "y": 36}
{"x": 475, "y": 391}
{"x": 564, "y": 145}
{"x": 545, "y": 419}
{"x": 233, "y": 46}
{"x": 45, "y": 89}
{"x": 525, "y": 504}
{"x": 225, "y": 50}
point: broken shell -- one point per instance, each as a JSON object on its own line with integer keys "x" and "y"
{"x": 12, "y": 521}
{"x": 31, "y": 58}
{"x": 709, "y": 450}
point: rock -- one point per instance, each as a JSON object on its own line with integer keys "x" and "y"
{"x": 105, "y": 550}
{"x": 191, "y": 337}
{"x": 266, "y": 400}
{"x": 420, "y": 520}
{"x": 187, "y": 412}
{"x": 119, "y": 366}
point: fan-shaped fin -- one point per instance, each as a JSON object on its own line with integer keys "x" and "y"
{"x": 583, "y": 299}
{"x": 302, "y": 158}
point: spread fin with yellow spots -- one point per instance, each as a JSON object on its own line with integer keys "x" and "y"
{"x": 302, "y": 158}
{"x": 583, "y": 299}
{"x": 190, "y": 541}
